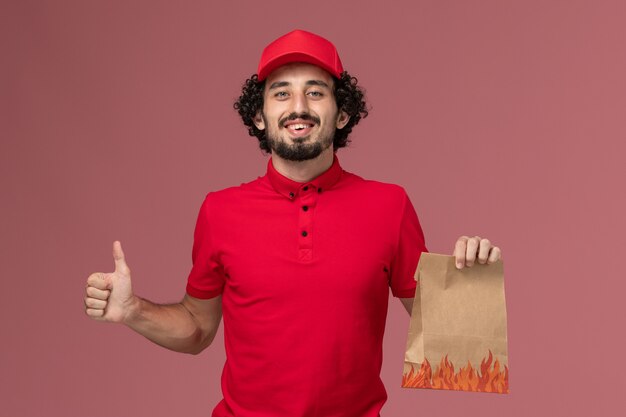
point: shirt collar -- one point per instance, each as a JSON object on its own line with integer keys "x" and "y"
{"x": 290, "y": 188}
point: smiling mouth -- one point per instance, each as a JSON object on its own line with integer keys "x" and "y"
{"x": 299, "y": 128}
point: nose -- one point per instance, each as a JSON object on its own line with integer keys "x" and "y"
{"x": 300, "y": 103}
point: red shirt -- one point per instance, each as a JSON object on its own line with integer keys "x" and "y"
{"x": 304, "y": 270}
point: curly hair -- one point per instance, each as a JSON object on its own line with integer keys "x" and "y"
{"x": 349, "y": 97}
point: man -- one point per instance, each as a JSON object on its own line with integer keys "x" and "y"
{"x": 300, "y": 262}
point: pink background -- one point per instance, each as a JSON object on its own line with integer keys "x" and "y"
{"x": 500, "y": 118}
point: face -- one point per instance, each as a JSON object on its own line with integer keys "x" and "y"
{"x": 300, "y": 113}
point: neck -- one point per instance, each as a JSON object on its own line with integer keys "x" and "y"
{"x": 303, "y": 171}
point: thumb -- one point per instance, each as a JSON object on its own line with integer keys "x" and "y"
{"x": 120, "y": 261}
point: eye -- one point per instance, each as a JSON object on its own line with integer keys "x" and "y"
{"x": 316, "y": 93}
{"x": 281, "y": 94}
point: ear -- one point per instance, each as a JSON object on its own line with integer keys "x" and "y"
{"x": 342, "y": 119}
{"x": 258, "y": 121}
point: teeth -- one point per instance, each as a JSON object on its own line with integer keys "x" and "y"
{"x": 299, "y": 126}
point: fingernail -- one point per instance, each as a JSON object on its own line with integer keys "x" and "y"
{"x": 459, "y": 265}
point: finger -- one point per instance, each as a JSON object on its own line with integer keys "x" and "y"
{"x": 94, "y": 312}
{"x": 472, "y": 249}
{"x": 483, "y": 250}
{"x": 118, "y": 256}
{"x": 95, "y": 303}
{"x": 494, "y": 255}
{"x": 459, "y": 251}
{"x": 99, "y": 281}
{"x": 93, "y": 292}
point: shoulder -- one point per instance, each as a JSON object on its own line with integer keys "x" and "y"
{"x": 233, "y": 196}
{"x": 393, "y": 193}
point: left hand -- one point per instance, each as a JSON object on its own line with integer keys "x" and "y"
{"x": 467, "y": 249}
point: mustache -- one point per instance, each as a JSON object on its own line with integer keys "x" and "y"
{"x": 302, "y": 116}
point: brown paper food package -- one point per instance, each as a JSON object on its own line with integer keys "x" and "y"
{"x": 457, "y": 333}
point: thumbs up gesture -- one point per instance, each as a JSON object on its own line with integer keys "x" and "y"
{"x": 109, "y": 296}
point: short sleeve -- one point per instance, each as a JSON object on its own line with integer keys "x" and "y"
{"x": 206, "y": 279}
{"x": 410, "y": 246}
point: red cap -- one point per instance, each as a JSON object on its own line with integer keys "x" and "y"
{"x": 300, "y": 46}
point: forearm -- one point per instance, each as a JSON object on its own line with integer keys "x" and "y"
{"x": 171, "y": 326}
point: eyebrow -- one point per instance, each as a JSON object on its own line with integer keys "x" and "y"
{"x": 279, "y": 84}
{"x": 319, "y": 83}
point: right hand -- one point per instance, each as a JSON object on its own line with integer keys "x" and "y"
{"x": 109, "y": 296}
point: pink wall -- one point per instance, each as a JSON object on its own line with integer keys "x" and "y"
{"x": 503, "y": 119}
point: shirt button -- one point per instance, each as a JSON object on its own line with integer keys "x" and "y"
{"x": 291, "y": 195}
{"x": 305, "y": 208}
{"x": 306, "y": 187}
{"x": 304, "y": 233}
{"x": 319, "y": 190}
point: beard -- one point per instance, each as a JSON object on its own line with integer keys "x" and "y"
{"x": 300, "y": 150}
